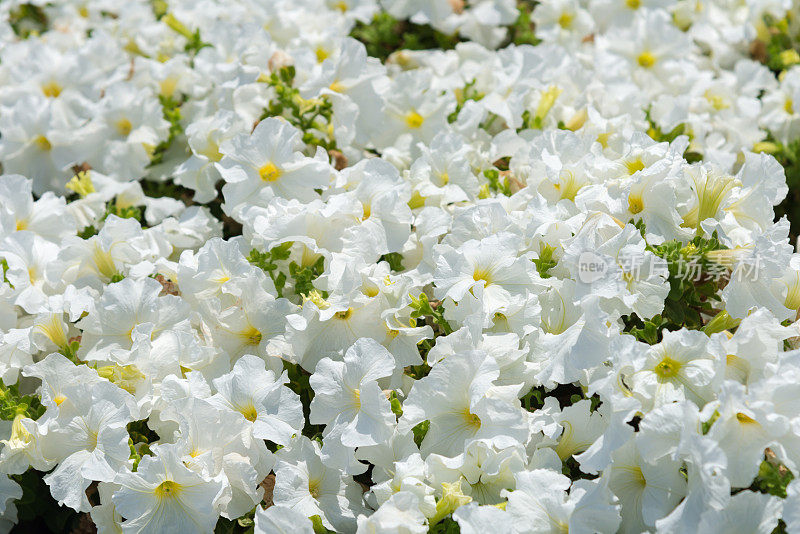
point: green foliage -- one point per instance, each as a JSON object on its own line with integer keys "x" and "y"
{"x": 300, "y": 384}
{"x": 694, "y": 280}
{"x": 688, "y": 297}
{"x": 534, "y": 399}
{"x": 648, "y": 331}
{"x": 657, "y": 134}
{"x": 311, "y": 116}
{"x": 70, "y": 350}
{"x": 266, "y": 261}
{"x": 545, "y": 261}
{"x": 319, "y": 528}
{"x": 27, "y": 20}
{"x": 445, "y": 526}
{"x": 171, "y": 110}
{"x": 394, "y": 402}
{"x": 304, "y": 276}
{"x": 772, "y": 478}
{"x": 384, "y": 35}
{"x": 496, "y": 184}
{"x": 395, "y": 261}
{"x": 4, "y": 268}
{"x": 193, "y": 41}
{"x": 126, "y": 212}
{"x": 432, "y": 314}
{"x": 242, "y": 525}
{"x": 88, "y": 232}
{"x": 37, "y": 511}
{"x": 420, "y": 431}
{"x": 418, "y": 372}
{"x": 13, "y": 403}
{"x": 140, "y": 436}
{"x": 463, "y": 95}
{"x": 522, "y": 31}
{"x": 789, "y": 157}
{"x": 781, "y": 50}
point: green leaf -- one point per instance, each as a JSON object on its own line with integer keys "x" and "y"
{"x": 395, "y": 261}
{"x": 420, "y": 431}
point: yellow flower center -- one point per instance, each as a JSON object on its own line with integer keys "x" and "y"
{"x": 788, "y": 106}
{"x": 793, "y": 294}
{"x": 270, "y": 172}
{"x": 43, "y": 143}
{"x": 167, "y": 86}
{"x": 635, "y": 203}
{"x": 251, "y": 335}
{"x": 21, "y": 225}
{"x": 124, "y": 127}
{"x": 19, "y": 434}
{"x": 710, "y": 195}
{"x": 634, "y": 165}
{"x": 417, "y": 200}
{"x": 471, "y": 420}
{"x": 54, "y": 330}
{"x": 344, "y": 315}
{"x": 211, "y": 151}
{"x": 249, "y": 412}
{"x": 546, "y": 103}
{"x": 482, "y": 274}
{"x": 565, "y": 20}
{"x": 168, "y": 488}
{"x": 314, "y": 487}
{"x": 371, "y": 291}
{"x": 336, "y": 87}
{"x": 717, "y": 102}
{"x": 103, "y": 262}
{"x": 567, "y": 185}
{"x": 745, "y": 419}
{"x": 341, "y": 6}
{"x": 646, "y": 60}
{"x": 633, "y": 4}
{"x": 668, "y": 368}
{"x": 52, "y": 89}
{"x": 414, "y": 120}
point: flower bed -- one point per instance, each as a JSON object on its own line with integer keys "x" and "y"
{"x": 399, "y": 266}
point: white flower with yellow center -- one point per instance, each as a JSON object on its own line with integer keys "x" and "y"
{"x": 163, "y": 495}
{"x": 540, "y": 504}
{"x": 348, "y": 399}
{"x": 268, "y": 163}
{"x": 490, "y": 263}
{"x": 304, "y": 483}
{"x": 462, "y": 403}
{"x": 89, "y": 441}
{"x": 684, "y": 365}
{"x": 261, "y": 398}
{"x": 647, "y": 492}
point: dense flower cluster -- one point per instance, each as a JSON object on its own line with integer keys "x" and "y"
{"x": 529, "y": 279}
